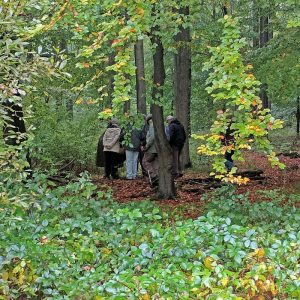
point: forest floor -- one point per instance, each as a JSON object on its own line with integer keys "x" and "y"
{"x": 192, "y": 186}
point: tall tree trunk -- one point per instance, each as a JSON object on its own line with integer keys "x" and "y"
{"x": 264, "y": 31}
{"x": 255, "y": 24}
{"x": 70, "y": 106}
{"x": 298, "y": 116}
{"x": 166, "y": 188}
{"x": 140, "y": 77}
{"x": 182, "y": 83}
{"x": 264, "y": 37}
{"x": 110, "y": 86}
{"x": 127, "y": 107}
{"x": 69, "y": 102}
{"x": 224, "y": 10}
{"x": 127, "y": 104}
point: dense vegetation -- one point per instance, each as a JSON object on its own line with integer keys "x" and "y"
{"x": 68, "y": 66}
{"x": 72, "y": 242}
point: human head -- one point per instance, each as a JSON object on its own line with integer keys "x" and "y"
{"x": 114, "y": 121}
{"x": 149, "y": 118}
{"x": 170, "y": 119}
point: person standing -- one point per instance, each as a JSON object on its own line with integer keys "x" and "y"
{"x": 150, "y": 160}
{"x": 177, "y": 137}
{"x": 132, "y": 152}
{"x": 143, "y": 143}
{"x": 111, "y": 149}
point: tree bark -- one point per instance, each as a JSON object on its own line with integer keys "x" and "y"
{"x": 166, "y": 188}
{"x": 127, "y": 104}
{"x": 255, "y": 19}
{"x": 264, "y": 32}
{"x": 264, "y": 37}
{"x": 182, "y": 83}
{"x": 14, "y": 129}
{"x": 140, "y": 77}
{"x": 110, "y": 86}
{"x": 127, "y": 107}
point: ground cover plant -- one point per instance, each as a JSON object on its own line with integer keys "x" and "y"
{"x": 68, "y": 67}
{"x": 76, "y": 242}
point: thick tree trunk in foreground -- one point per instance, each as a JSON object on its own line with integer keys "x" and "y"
{"x": 182, "y": 84}
{"x": 140, "y": 77}
{"x": 166, "y": 187}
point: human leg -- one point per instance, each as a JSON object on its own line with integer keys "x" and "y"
{"x": 114, "y": 165}
{"x": 129, "y": 158}
{"x": 175, "y": 153}
{"x": 107, "y": 164}
{"x": 135, "y": 157}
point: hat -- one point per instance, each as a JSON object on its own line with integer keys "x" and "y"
{"x": 148, "y": 118}
{"x": 170, "y": 118}
{"x": 114, "y": 121}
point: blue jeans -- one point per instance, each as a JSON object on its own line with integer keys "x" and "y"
{"x": 131, "y": 164}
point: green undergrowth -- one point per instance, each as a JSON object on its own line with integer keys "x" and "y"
{"x": 75, "y": 242}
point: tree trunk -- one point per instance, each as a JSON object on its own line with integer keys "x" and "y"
{"x": 264, "y": 32}
{"x": 255, "y": 19}
{"x": 298, "y": 116}
{"x": 166, "y": 188}
{"x": 14, "y": 129}
{"x": 182, "y": 83}
{"x": 140, "y": 77}
{"x": 70, "y": 108}
{"x": 127, "y": 107}
{"x": 110, "y": 86}
{"x": 127, "y": 104}
{"x": 264, "y": 36}
{"x": 264, "y": 96}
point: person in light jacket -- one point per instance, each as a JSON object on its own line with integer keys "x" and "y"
{"x": 111, "y": 149}
{"x": 132, "y": 151}
{"x": 150, "y": 160}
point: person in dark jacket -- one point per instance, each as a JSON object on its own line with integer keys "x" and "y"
{"x": 177, "y": 137}
{"x": 143, "y": 143}
{"x": 132, "y": 151}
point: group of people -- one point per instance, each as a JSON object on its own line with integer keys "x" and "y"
{"x": 138, "y": 146}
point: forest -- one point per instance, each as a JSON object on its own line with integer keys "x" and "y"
{"x": 150, "y": 149}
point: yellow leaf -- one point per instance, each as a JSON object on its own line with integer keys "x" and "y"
{"x": 207, "y": 262}
{"x": 260, "y": 252}
{"x": 21, "y": 278}
{"x": 224, "y": 281}
{"x": 140, "y": 11}
{"x": 274, "y": 289}
{"x": 144, "y": 297}
{"x": 79, "y": 101}
{"x": 5, "y": 276}
{"x": 106, "y": 251}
